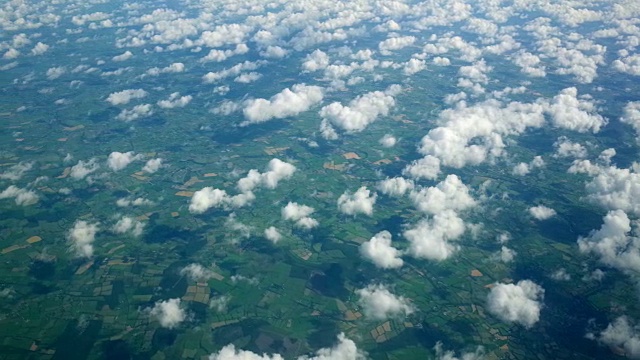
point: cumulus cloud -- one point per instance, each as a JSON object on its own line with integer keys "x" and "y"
{"x": 541, "y": 212}
{"x": 196, "y": 272}
{"x": 427, "y": 167}
{"x": 396, "y": 186}
{"x": 360, "y": 202}
{"x": 566, "y": 148}
{"x": 379, "y": 303}
{"x": 388, "y": 141}
{"x": 118, "y": 161}
{"x": 177, "y": 67}
{"x": 516, "y": 303}
{"x": 22, "y": 197}
{"x": 300, "y": 215}
{"x": 124, "y": 202}
{"x": 169, "y": 313}
{"x": 567, "y": 111}
{"x": 395, "y": 43}
{"x": 431, "y": 238}
{"x": 135, "y": 113}
{"x": 361, "y": 111}
{"x": 125, "y": 96}
{"x": 217, "y": 55}
{"x": 449, "y": 194}
{"x": 123, "y": 57}
{"x": 208, "y": 197}
{"x": 15, "y": 172}
{"x": 175, "y": 101}
{"x": 379, "y": 251}
{"x": 631, "y": 116}
{"x": 288, "y": 102}
{"x": 621, "y": 333}
{"x": 128, "y": 224}
{"x": 506, "y": 255}
{"x": 441, "y": 354}
{"x": 82, "y": 169}
{"x": 317, "y": 60}
{"x": 277, "y": 170}
{"x": 81, "y": 238}
{"x": 272, "y": 234}
{"x": 56, "y": 72}
{"x": 152, "y": 165}
{"x": 39, "y": 49}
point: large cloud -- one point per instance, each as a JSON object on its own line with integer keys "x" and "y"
{"x": 621, "y": 333}
{"x": 81, "y": 238}
{"x": 449, "y": 194}
{"x": 379, "y": 251}
{"x": 567, "y": 111}
{"x": 169, "y": 313}
{"x": 379, "y": 303}
{"x": 516, "y": 303}
{"x": 284, "y": 104}
{"x": 360, "y": 202}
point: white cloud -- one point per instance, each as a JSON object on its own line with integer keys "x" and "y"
{"x": 118, "y": 161}
{"x": 11, "y": 54}
{"x": 152, "y": 165}
{"x": 360, "y": 202}
{"x": 300, "y": 215}
{"x": 55, "y": 72}
{"x": 561, "y": 275}
{"x": 216, "y": 55}
{"x": 441, "y": 354}
{"x": 277, "y": 170}
{"x": 248, "y": 77}
{"x": 177, "y": 67}
{"x": 135, "y": 113}
{"x": 361, "y": 111}
{"x": 213, "y": 77}
{"x": 15, "y": 172}
{"x": 128, "y": 224}
{"x": 631, "y": 116}
{"x": 208, "y": 197}
{"x": 621, "y": 333}
{"x": 22, "y": 197}
{"x": 506, "y": 255}
{"x": 569, "y": 112}
{"x": 396, "y": 186}
{"x": 519, "y": 303}
{"x": 566, "y": 148}
{"x": 81, "y": 238}
{"x": 379, "y": 251}
{"x": 427, "y": 167}
{"x": 169, "y": 313}
{"x": 175, "y": 101}
{"x": 39, "y": 49}
{"x": 628, "y": 64}
{"x": 82, "y": 169}
{"x": 395, "y": 43}
{"x": 379, "y": 303}
{"x": 272, "y": 234}
{"x": 274, "y": 52}
{"x": 125, "y": 96}
{"x": 388, "y": 141}
{"x": 284, "y": 104}
{"x": 123, "y": 57}
{"x": 521, "y": 169}
{"x": 196, "y": 272}
{"x": 541, "y": 212}
{"x": 431, "y": 238}
{"x": 449, "y": 194}
{"x": 124, "y": 202}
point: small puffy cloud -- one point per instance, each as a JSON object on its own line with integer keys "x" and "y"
{"x": 277, "y": 170}
{"x": 317, "y": 60}
{"x": 152, "y": 165}
{"x": 516, "y": 303}
{"x": 217, "y": 55}
{"x": 81, "y": 238}
{"x": 39, "y": 49}
{"x": 396, "y": 186}
{"x": 379, "y": 303}
{"x": 360, "y": 202}
{"x": 631, "y": 116}
{"x": 55, "y": 72}
{"x": 118, "y": 161}
{"x": 628, "y": 64}
{"x": 169, "y": 313}
{"x": 208, "y": 197}
{"x": 196, "y": 272}
{"x": 274, "y": 52}
{"x": 541, "y": 212}
{"x": 506, "y": 255}
{"x": 621, "y": 333}
{"x": 521, "y": 169}
{"x": 128, "y": 224}
{"x": 431, "y": 238}
{"x": 413, "y": 66}
{"x": 82, "y": 169}
{"x": 272, "y": 234}
{"x": 124, "y": 202}
{"x": 449, "y": 194}
{"x": 177, "y": 67}
{"x": 11, "y": 54}
{"x": 22, "y": 197}
{"x": 388, "y": 141}
{"x": 300, "y": 215}
{"x": 379, "y": 251}
{"x": 16, "y": 171}
{"x": 123, "y": 57}
{"x": 175, "y": 101}
{"x": 567, "y": 111}
{"x": 135, "y": 113}
{"x": 427, "y": 167}
{"x": 125, "y": 96}
{"x": 288, "y": 102}
{"x": 441, "y": 354}
{"x": 561, "y": 275}
{"x": 566, "y": 148}
{"x": 361, "y": 111}
{"x": 395, "y": 43}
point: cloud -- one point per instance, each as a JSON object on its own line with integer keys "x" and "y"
{"x": 360, "y": 202}
{"x": 611, "y": 187}
{"x": 388, "y": 141}
{"x": 427, "y": 167}
{"x": 39, "y": 49}
{"x": 379, "y": 303}
{"x": 82, "y": 169}
{"x": 175, "y": 101}
{"x": 628, "y": 64}
{"x": 176, "y": 67}
{"x": 128, "y": 224}
{"x": 213, "y": 77}
{"x": 272, "y": 234}
{"x": 631, "y": 116}
{"x": 569, "y": 112}
{"x": 541, "y": 212}
{"x": 523, "y": 169}
{"x": 152, "y": 165}
{"x": 123, "y": 57}
{"x": 136, "y": 202}
{"x": 449, "y": 194}
{"x": 81, "y": 238}
{"x": 441, "y": 354}
{"x": 379, "y": 251}
{"x": 300, "y": 215}
{"x": 22, "y": 197}
{"x": 284, "y": 104}
{"x": 55, "y": 72}
{"x": 196, "y": 272}
{"x": 395, "y": 43}
{"x": 118, "y": 161}
{"x": 561, "y": 275}
{"x": 621, "y": 333}
{"x": 208, "y": 197}
{"x": 277, "y": 170}
{"x": 566, "y": 148}
{"x": 274, "y": 52}
{"x": 216, "y": 55}
{"x": 431, "y": 238}
{"x": 519, "y": 303}
{"x": 361, "y": 111}
{"x": 169, "y": 313}
{"x": 396, "y": 186}
{"x": 506, "y": 255}
{"x": 125, "y": 96}
{"x": 15, "y": 172}
{"x": 135, "y": 113}
{"x": 11, "y": 54}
